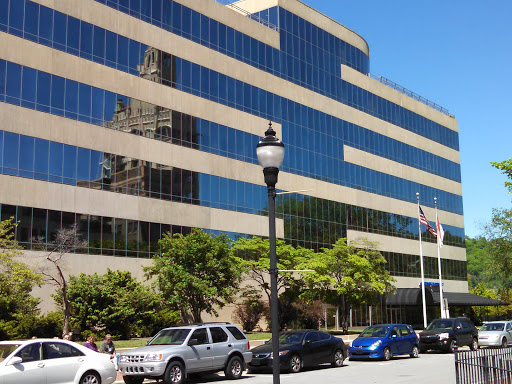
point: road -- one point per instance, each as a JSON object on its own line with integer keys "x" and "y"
{"x": 427, "y": 369}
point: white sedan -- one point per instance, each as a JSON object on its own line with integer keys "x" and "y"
{"x": 53, "y": 361}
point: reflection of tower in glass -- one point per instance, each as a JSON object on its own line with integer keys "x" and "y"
{"x": 139, "y": 177}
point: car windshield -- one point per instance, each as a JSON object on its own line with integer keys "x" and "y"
{"x": 493, "y": 327}
{"x": 289, "y": 337}
{"x": 6, "y": 350}
{"x": 170, "y": 337}
{"x": 440, "y": 324}
{"x": 375, "y": 331}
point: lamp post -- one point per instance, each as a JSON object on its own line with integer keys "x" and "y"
{"x": 270, "y": 153}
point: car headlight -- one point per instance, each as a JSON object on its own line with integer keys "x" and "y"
{"x": 375, "y": 345}
{"x": 281, "y": 353}
{"x": 153, "y": 357}
{"x": 443, "y": 336}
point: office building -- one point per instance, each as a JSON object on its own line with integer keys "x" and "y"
{"x": 136, "y": 117}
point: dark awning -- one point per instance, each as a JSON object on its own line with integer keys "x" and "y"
{"x": 412, "y": 296}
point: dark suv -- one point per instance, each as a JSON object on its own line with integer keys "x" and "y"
{"x": 444, "y": 334}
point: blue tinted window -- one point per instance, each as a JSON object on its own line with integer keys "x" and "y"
{"x": 71, "y": 96}
{"x": 29, "y": 84}
{"x": 58, "y": 84}
{"x": 44, "y": 81}
{"x": 31, "y": 19}
{"x": 73, "y": 35}
{"x": 4, "y": 14}
{"x": 56, "y": 156}
{"x": 11, "y": 150}
{"x": 45, "y": 25}
{"x": 16, "y": 15}
{"x": 27, "y": 151}
{"x": 86, "y": 40}
{"x": 13, "y": 88}
{"x": 99, "y": 44}
{"x": 42, "y": 155}
{"x": 59, "y": 29}
{"x": 84, "y": 101}
{"x": 69, "y": 164}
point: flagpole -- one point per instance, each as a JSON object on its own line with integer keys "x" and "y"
{"x": 422, "y": 272}
{"x": 443, "y": 314}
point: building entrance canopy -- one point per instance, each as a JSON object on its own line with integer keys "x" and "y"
{"x": 412, "y": 297}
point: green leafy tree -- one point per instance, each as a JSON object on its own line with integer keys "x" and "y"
{"x": 255, "y": 256}
{"x": 114, "y": 303}
{"x": 18, "y": 308}
{"x": 478, "y": 259}
{"x": 352, "y": 273}
{"x": 196, "y": 273}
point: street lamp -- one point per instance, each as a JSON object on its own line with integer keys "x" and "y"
{"x": 270, "y": 153}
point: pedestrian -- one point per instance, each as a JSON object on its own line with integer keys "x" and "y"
{"x": 107, "y": 346}
{"x": 91, "y": 344}
{"x": 65, "y": 336}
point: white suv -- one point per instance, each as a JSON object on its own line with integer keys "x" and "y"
{"x": 176, "y": 352}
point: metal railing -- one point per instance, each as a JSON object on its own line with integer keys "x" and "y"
{"x": 411, "y": 94}
{"x": 483, "y": 366}
{"x": 258, "y": 19}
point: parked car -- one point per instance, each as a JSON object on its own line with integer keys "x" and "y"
{"x": 299, "y": 349}
{"x": 175, "y": 352}
{"x": 445, "y": 334}
{"x": 383, "y": 341}
{"x": 53, "y": 361}
{"x": 495, "y": 334}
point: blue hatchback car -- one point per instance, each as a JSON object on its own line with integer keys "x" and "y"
{"x": 384, "y": 341}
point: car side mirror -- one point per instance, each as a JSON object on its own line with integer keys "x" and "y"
{"x": 192, "y": 342}
{"x": 15, "y": 360}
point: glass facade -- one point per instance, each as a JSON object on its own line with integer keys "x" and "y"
{"x": 309, "y": 57}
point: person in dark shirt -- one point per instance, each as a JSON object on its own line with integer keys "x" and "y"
{"x": 107, "y": 346}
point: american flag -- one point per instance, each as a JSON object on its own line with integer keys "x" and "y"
{"x": 423, "y": 220}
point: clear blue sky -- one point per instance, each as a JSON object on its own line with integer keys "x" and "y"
{"x": 457, "y": 54}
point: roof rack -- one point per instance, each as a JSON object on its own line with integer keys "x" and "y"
{"x": 200, "y": 324}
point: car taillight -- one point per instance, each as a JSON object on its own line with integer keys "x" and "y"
{"x": 248, "y": 345}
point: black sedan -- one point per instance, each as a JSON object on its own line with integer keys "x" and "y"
{"x": 300, "y": 348}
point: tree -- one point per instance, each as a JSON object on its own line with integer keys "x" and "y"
{"x": 254, "y": 253}
{"x": 196, "y": 272}
{"x": 479, "y": 262}
{"x": 17, "y": 306}
{"x": 67, "y": 240}
{"x": 348, "y": 272}
{"x": 116, "y": 303}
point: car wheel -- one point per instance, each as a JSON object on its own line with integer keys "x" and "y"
{"x": 337, "y": 359}
{"x": 452, "y": 345}
{"x": 504, "y": 343}
{"x": 90, "y": 378}
{"x": 234, "y": 368}
{"x": 174, "y": 373}
{"x": 415, "y": 351}
{"x": 295, "y": 364}
{"x": 133, "y": 379}
{"x": 474, "y": 344}
{"x": 386, "y": 355}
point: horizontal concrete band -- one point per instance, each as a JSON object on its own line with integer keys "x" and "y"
{"x": 393, "y": 168}
{"x": 60, "y": 197}
{"x": 65, "y": 65}
{"x": 448, "y": 285}
{"x": 42, "y": 125}
{"x": 409, "y": 246}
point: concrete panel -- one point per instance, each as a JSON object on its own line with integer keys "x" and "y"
{"x": 449, "y": 285}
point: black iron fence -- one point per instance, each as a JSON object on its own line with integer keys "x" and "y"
{"x": 484, "y": 366}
